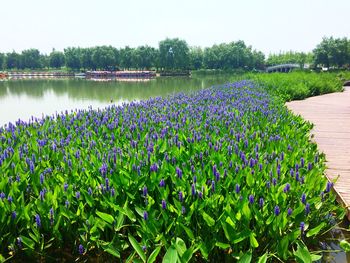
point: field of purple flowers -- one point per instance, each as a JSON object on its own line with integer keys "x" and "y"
{"x": 224, "y": 174}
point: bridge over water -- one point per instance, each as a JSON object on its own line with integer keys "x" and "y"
{"x": 282, "y": 68}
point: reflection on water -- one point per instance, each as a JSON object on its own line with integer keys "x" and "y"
{"x": 23, "y": 98}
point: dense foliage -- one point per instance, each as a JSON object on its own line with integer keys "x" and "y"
{"x": 225, "y": 173}
{"x": 172, "y": 54}
{"x": 300, "y": 58}
{"x": 300, "y": 85}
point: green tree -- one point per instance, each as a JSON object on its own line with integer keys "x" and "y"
{"x": 12, "y": 60}
{"x": 30, "y": 58}
{"x": 73, "y": 57}
{"x": 2, "y": 61}
{"x": 333, "y": 52}
{"x": 126, "y": 57}
{"x": 57, "y": 59}
{"x": 174, "y": 54}
{"x": 196, "y": 57}
{"x": 103, "y": 57}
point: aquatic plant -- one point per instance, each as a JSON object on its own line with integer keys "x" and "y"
{"x": 219, "y": 174}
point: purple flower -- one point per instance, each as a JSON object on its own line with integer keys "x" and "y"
{"x": 162, "y": 183}
{"x": 181, "y": 198}
{"x": 89, "y": 191}
{"x": 213, "y": 185}
{"x": 194, "y": 179}
{"x": 144, "y": 248}
{"x": 183, "y": 210}
{"x": 302, "y": 162}
{"x": 307, "y": 208}
{"x": 251, "y": 199}
{"x": 112, "y": 192}
{"x": 193, "y": 189}
{"x": 163, "y": 204}
{"x": 41, "y": 178}
{"x": 77, "y": 195}
{"x": 107, "y": 184}
{"x": 145, "y": 191}
{"x": 13, "y": 215}
{"x": 268, "y": 184}
{"x": 237, "y": 189}
{"x": 274, "y": 181}
{"x": 328, "y": 187}
{"x": 145, "y": 215}
{"x": 51, "y": 216}
{"x": 65, "y": 187}
{"x": 302, "y": 227}
{"x": 309, "y": 166}
{"x": 289, "y": 212}
{"x": 2, "y": 195}
{"x": 261, "y": 202}
{"x": 291, "y": 172}
{"x": 37, "y": 221}
{"x": 66, "y": 203}
{"x": 9, "y": 199}
{"x": 81, "y": 249}
{"x": 286, "y": 188}
{"x": 303, "y": 198}
{"x": 200, "y": 195}
{"x": 277, "y": 210}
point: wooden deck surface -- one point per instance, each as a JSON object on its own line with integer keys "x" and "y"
{"x": 330, "y": 115}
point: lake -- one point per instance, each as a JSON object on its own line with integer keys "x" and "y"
{"x": 23, "y": 98}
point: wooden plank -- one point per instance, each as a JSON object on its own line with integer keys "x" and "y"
{"x": 330, "y": 115}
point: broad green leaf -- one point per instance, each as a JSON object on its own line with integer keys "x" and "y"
{"x": 315, "y": 257}
{"x": 253, "y": 242}
{"x": 137, "y": 247}
{"x": 314, "y": 231}
{"x": 208, "y": 219}
{"x": 246, "y": 258}
{"x": 222, "y": 245}
{"x": 170, "y": 255}
{"x": 180, "y": 246}
{"x": 106, "y": 217}
{"x": 345, "y": 245}
{"x": 188, "y": 231}
{"x": 282, "y": 247}
{"x": 28, "y": 242}
{"x": 113, "y": 251}
{"x": 263, "y": 258}
{"x": 186, "y": 257}
{"x": 154, "y": 255}
{"x": 302, "y": 254}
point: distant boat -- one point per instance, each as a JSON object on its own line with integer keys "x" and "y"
{"x": 79, "y": 75}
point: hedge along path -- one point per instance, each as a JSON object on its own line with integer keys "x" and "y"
{"x": 330, "y": 115}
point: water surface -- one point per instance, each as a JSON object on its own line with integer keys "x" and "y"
{"x": 23, "y": 98}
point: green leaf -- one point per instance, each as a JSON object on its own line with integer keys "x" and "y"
{"x": 253, "y": 242}
{"x": 302, "y": 254}
{"x": 170, "y": 255}
{"x": 222, "y": 245}
{"x": 250, "y": 179}
{"x": 137, "y": 247}
{"x": 315, "y": 257}
{"x": 246, "y": 258}
{"x": 345, "y": 245}
{"x": 186, "y": 257}
{"x": 208, "y": 219}
{"x": 154, "y": 255}
{"x": 106, "y": 217}
{"x": 188, "y": 231}
{"x": 113, "y": 251}
{"x": 282, "y": 248}
{"x": 28, "y": 242}
{"x": 316, "y": 230}
{"x": 263, "y": 258}
{"x": 246, "y": 211}
{"x": 180, "y": 246}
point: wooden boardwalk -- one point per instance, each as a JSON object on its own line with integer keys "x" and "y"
{"x": 330, "y": 115}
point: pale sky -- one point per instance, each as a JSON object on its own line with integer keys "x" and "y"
{"x": 269, "y": 26}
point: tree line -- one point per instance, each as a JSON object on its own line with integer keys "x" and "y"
{"x": 172, "y": 54}
{"x": 176, "y": 54}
